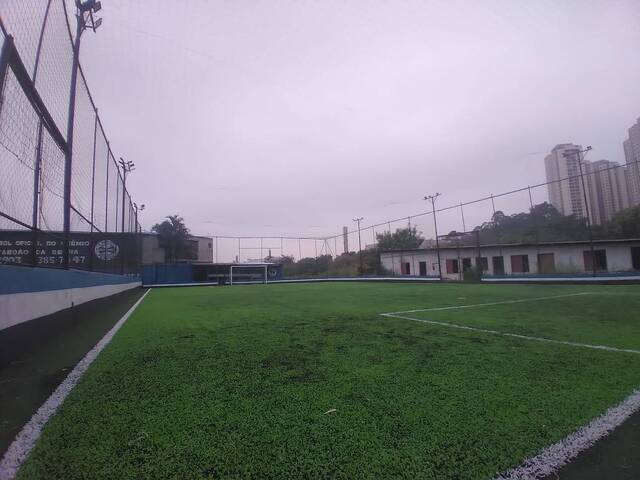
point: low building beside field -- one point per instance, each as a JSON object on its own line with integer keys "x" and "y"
{"x": 197, "y": 249}
{"x": 573, "y": 257}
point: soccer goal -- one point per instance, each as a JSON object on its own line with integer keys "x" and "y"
{"x": 248, "y": 274}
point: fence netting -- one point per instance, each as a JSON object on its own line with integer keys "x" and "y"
{"x": 36, "y": 68}
{"x": 514, "y": 232}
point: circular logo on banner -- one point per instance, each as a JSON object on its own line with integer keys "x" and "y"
{"x": 106, "y": 250}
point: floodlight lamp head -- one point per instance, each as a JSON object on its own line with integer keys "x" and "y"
{"x": 97, "y": 24}
{"x": 86, "y": 6}
{"x": 97, "y": 7}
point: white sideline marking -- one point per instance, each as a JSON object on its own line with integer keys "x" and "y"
{"x": 552, "y": 458}
{"x": 24, "y": 442}
{"x": 503, "y": 302}
{"x": 512, "y": 335}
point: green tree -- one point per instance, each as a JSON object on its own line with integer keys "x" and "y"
{"x": 542, "y": 223}
{"x": 173, "y": 235}
{"x": 624, "y": 224}
{"x": 401, "y": 239}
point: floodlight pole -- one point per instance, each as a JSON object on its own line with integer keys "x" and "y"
{"x": 127, "y": 167}
{"x": 578, "y": 153}
{"x": 432, "y": 198}
{"x": 138, "y": 233}
{"x": 358, "y": 220}
{"x": 81, "y": 25}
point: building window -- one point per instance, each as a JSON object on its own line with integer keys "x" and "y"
{"x": 498, "y": 265}
{"x": 423, "y": 269}
{"x": 601, "y": 260}
{"x": 452, "y": 265}
{"x": 405, "y": 268}
{"x": 635, "y": 258}
{"x": 519, "y": 263}
{"x": 483, "y": 263}
{"x": 466, "y": 264}
{"x": 546, "y": 263}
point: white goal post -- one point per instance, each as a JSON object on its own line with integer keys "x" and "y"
{"x": 248, "y": 273}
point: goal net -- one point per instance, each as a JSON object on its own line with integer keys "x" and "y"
{"x": 248, "y": 274}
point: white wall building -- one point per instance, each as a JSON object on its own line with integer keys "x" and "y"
{"x": 606, "y": 184}
{"x": 632, "y": 156}
{"x": 607, "y": 190}
{"x": 566, "y": 195}
{"x": 517, "y": 259}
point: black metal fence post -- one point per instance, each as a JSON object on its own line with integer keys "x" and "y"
{"x": 69, "y": 154}
{"x": 93, "y": 191}
{"x": 37, "y": 170}
{"x": 535, "y": 229}
{"x": 7, "y": 45}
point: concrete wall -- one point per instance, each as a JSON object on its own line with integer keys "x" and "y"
{"x": 27, "y": 293}
{"x": 205, "y": 249}
{"x": 152, "y": 252}
{"x": 568, "y": 258}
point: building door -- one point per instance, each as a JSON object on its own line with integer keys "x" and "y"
{"x": 482, "y": 263}
{"x": 498, "y": 265}
{"x": 635, "y": 258}
{"x": 466, "y": 264}
{"x": 423, "y": 269}
{"x": 546, "y": 263}
{"x": 600, "y": 259}
{"x": 452, "y": 265}
{"x": 519, "y": 263}
{"x": 405, "y": 268}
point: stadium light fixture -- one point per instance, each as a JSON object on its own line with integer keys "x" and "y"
{"x": 432, "y": 199}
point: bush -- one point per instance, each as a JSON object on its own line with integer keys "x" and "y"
{"x": 472, "y": 274}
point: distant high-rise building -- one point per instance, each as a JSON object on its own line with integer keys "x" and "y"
{"x": 607, "y": 191}
{"x": 566, "y": 195}
{"x": 632, "y": 156}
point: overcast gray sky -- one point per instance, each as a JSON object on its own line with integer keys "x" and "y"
{"x": 291, "y": 117}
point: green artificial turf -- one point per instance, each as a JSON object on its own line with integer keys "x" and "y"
{"x": 610, "y": 318}
{"x": 234, "y": 382}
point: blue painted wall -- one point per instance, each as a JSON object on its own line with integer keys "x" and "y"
{"x": 15, "y": 279}
{"x": 167, "y": 273}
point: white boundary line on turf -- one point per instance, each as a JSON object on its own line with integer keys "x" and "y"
{"x": 552, "y": 458}
{"x": 306, "y": 280}
{"x": 622, "y": 278}
{"x": 24, "y": 442}
{"x": 503, "y": 302}
{"x": 512, "y": 335}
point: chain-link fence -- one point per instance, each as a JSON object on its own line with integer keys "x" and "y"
{"x": 522, "y": 231}
{"x": 63, "y": 198}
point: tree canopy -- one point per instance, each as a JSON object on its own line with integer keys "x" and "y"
{"x": 624, "y": 224}
{"x": 401, "y": 239}
{"x": 173, "y": 235}
{"x": 542, "y": 223}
